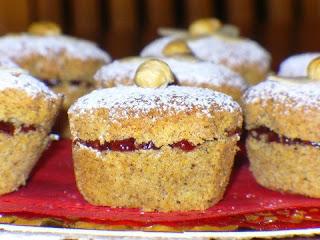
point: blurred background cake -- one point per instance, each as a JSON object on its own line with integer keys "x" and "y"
{"x": 282, "y": 27}
{"x": 187, "y": 72}
{"x": 64, "y": 63}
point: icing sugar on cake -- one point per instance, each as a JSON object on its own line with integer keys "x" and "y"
{"x": 7, "y": 63}
{"x": 293, "y": 95}
{"x": 16, "y": 46}
{"x": 230, "y": 50}
{"x": 296, "y": 65}
{"x": 125, "y": 102}
{"x": 185, "y": 71}
{"x": 155, "y": 47}
{"x": 16, "y": 78}
{"x": 218, "y": 49}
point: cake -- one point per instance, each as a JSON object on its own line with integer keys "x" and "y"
{"x": 296, "y": 65}
{"x": 63, "y": 63}
{"x": 243, "y": 56}
{"x": 155, "y": 148}
{"x": 188, "y": 72}
{"x": 283, "y": 145}
{"x": 202, "y": 27}
{"x": 27, "y": 112}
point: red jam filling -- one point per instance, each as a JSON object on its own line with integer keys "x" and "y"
{"x": 184, "y": 145}
{"x": 51, "y": 82}
{"x": 56, "y": 82}
{"x": 9, "y": 128}
{"x": 266, "y": 134}
{"x": 129, "y": 144}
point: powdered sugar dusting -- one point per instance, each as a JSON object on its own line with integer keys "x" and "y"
{"x": 15, "y": 78}
{"x": 134, "y": 102}
{"x": 234, "y": 52}
{"x": 154, "y": 49}
{"x": 185, "y": 71}
{"x": 15, "y": 46}
{"x": 296, "y": 65}
{"x": 304, "y": 96}
{"x": 7, "y": 63}
{"x": 218, "y": 49}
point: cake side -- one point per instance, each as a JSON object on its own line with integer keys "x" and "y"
{"x": 164, "y": 180}
{"x": 283, "y": 167}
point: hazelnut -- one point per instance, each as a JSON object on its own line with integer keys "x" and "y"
{"x": 314, "y": 69}
{"x": 176, "y": 47}
{"x": 204, "y": 26}
{"x": 153, "y": 73}
{"x": 44, "y": 29}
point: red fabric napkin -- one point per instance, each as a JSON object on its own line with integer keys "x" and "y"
{"x": 51, "y": 191}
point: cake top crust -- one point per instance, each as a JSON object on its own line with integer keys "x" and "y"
{"x": 133, "y": 102}
{"x": 16, "y": 78}
{"x": 296, "y": 65}
{"x": 22, "y": 45}
{"x": 199, "y": 72}
{"x": 293, "y": 95}
{"x": 218, "y": 49}
{"x": 234, "y": 51}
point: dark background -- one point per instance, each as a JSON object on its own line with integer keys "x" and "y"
{"x": 123, "y": 27}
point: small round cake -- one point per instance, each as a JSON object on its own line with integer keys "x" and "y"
{"x": 244, "y": 56}
{"x": 187, "y": 72}
{"x": 282, "y": 117}
{"x": 296, "y": 65}
{"x": 27, "y": 112}
{"x": 63, "y": 63}
{"x": 166, "y": 149}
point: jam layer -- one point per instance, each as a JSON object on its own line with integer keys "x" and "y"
{"x": 129, "y": 144}
{"x": 56, "y": 82}
{"x": 9, "y": 128}
{"x": 267, "y": 135}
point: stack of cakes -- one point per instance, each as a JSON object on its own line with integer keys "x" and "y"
{"x": 161, "y": 130}
{"x": 206, "y": 42}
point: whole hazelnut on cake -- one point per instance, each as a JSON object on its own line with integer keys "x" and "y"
{"x": 63, "y": 63}
{"x": 27, "y": 112}
{"x": 187, "y": 71}
{"x": 282, "y": 116}
{"x": 206, "y": 41}
{"x": 154, "y": 147}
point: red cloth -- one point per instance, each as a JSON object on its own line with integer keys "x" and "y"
{"x": 51, "y": 191}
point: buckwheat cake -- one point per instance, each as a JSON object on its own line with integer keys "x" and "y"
{"x": 167, "y": 149}
{"x": 63, "y": 63}
{"x": 202, "y": 27}
{"x": 27, "y": 112}
{"x": 187, "y": 71}
{"x": 296, "y": 65}
{"x": 243, "y": 56}
{"x": 283, "y": 145}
